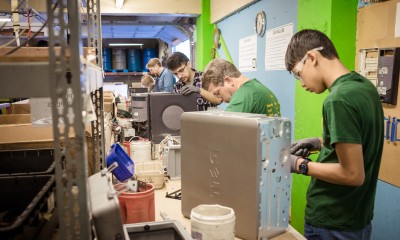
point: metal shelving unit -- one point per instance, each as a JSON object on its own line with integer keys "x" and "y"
{"x": 71, "y": 81}
{"x": 95, "y": 41}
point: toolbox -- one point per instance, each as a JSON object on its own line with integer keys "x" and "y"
{"x": 241, "y": 161}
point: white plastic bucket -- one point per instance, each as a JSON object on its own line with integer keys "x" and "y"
{"x": 210, "y": 222}
{"x": 140, "y": 151}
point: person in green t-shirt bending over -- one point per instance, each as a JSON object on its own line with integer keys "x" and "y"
{"x": 243, "y": 94}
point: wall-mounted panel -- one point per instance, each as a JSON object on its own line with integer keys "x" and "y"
{"x": 376, "y": 29}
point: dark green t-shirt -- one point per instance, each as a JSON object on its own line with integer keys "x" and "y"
{"x": 254, "y": 97}
{"x": 352, "y": 113}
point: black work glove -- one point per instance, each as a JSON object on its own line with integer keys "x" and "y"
{"x": 188, "y": 89}
{"x": 293, "y": 163}
{"x": 303, "y": 147}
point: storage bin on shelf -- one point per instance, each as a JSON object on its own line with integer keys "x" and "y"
{"x": 23, "y": 199}
{"x": 27, "y": 162}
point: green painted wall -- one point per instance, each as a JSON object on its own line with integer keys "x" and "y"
{"x": 204, "y": 36}
{"x": 337, "y": 19}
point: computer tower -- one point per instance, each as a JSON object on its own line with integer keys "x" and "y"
{"x": 165, "y": 110}
{"x": 241, "y": 161}
{"x": 139, "y": 107}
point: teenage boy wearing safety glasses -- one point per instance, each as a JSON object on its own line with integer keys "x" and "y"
{"x": 190, "y": 81}
{"x": 341, "y": 194}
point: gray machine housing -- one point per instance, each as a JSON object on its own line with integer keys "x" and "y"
{"x": 105, "y": 207}
{"x": 241, "y": 161}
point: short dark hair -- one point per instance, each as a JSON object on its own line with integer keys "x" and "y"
{"x": 305, "y": 40}
{"x": 176, "y": 60}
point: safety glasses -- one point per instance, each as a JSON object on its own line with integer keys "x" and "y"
{"x": 299, "y": 66}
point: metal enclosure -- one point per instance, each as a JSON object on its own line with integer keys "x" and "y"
{"x": 105, "y": 207}
{"x": 241, "y": 161}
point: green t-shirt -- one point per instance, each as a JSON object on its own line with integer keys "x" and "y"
{"x": 352, "y": 113}
{"x": 254, "y": 97}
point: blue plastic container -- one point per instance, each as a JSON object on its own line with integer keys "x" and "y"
{"x": 134, "y": 57}
{"x": 107, "y": 64}
{"x": 148, "y": 53}
{"x": 125, "y": 168}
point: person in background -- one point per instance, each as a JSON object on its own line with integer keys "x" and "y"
{"x": 190, "y": 81}
{"x": 164, "y": 78}
{"x": 243, "y": 94}
{"x": 148, "y": 82}
{"x": 341, "y": 194}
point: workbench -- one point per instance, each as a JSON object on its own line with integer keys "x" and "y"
{"x": 171, "y": 208}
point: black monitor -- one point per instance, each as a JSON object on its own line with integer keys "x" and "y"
{"x": 165, "y": 110}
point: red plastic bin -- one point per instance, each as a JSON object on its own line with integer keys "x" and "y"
{"x": 136, "y": 207}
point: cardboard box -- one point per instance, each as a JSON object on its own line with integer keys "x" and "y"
{"x": 16, "y": 133}
{"x": 21, "y": 107}
{"x": 38, "y": 54}
{"x": 108, "y": 94}
{"x": 24, "y": 136}
{"x": 15, "y": 118}
{"x": 108, "y": 133}
{"x": 109, "y": 104}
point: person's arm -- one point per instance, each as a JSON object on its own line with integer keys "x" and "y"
{"x": 349, "y": 171}
{"x": 210, "y": 97}
{"x": 169, "y": 83}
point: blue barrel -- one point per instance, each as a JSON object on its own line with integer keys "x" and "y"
{"x": 148, "y": 53}
{"x": 134, "y": 57}
{"x": 107, "y": 64}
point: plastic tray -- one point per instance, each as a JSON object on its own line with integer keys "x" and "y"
{"x": 27, "y": 162}
{"x": 22, "y": 200}
{"x": 166, "y": 230}
{"x": 150, "y": 172}
{"x": 125, "y": 168}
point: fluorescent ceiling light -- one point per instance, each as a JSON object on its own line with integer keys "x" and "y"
{"x": 125, "y": 44}
{"x": 119, "y": 3}
{"x": 5, "y": 19}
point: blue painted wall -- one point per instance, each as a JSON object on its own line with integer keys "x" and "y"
{"x": 241, "y": 25}
{"x": 386, "y": 222}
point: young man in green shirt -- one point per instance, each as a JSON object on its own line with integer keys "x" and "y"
{"x": 341, "y": 194}
{"x": 225, "y": 81}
